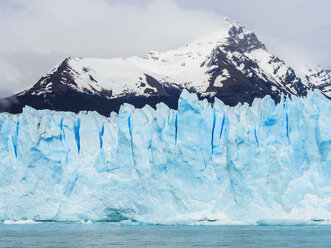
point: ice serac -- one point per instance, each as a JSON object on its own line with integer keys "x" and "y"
{"x": 201, "y": 163}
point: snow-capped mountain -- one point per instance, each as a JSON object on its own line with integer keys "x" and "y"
{"x": 319, "y": 79}
{"x": 231, "y": 64}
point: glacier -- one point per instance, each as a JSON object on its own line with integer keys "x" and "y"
{"x": 203, "y": 163}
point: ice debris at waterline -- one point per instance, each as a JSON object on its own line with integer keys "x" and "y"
{"x": 200, "y": 164}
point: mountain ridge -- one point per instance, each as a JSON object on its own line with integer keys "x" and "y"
{"x": 231, "y": 64}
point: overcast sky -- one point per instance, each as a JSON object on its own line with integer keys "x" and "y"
{"x": 37, "y": 34}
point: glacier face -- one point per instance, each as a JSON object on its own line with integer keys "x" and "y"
{"x": 200, "y": 164}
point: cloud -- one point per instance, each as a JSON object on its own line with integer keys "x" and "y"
{"x": 8, "y": 104}
{"x": 37, "y": 33}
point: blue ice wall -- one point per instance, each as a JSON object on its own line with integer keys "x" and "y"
{"x": 201, "y": 164}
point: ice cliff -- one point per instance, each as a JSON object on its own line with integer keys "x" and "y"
{"x": 200, "y": 164}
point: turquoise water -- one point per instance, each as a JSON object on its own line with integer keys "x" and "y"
{"x": 106, "y": 235}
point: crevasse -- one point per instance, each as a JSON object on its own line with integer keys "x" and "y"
{"x": 201, "y": 164}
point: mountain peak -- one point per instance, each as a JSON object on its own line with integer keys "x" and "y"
{"x": 233, "y": 37}
{"x": 243, "y": 40}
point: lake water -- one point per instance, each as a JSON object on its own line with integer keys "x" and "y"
{"x": 107, "y": 235}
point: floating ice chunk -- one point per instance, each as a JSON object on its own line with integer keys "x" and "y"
{"x": 20, "y": 222}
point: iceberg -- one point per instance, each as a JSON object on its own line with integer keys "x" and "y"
{"x": 20, "y": 222}
{"x": 203, "y": 163}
